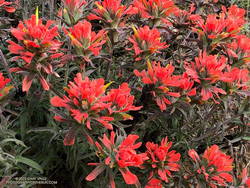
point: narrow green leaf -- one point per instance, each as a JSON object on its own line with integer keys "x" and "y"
{"x": 246, "y": 138}
{"x": 29, "y": 162}
{"x": 18, "y": 142}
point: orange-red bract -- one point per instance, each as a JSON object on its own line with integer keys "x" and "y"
{"x": 156, "y": 9}
{"x": 37, "y": 47}
{"x": 239, "y": 49}
{"x": 122, "y": 100}
{"x": 240, "y": 78}
{"x": 215, "y": 166}
{"x": 8, "y": 6}
{"x": 146, "y": 41}
{"x": 87, "y": 101}
{"x": 111, "y": 12}
{"x": 4, "y": 89}
{"x": 154, "y": 183}
{"x": 86, "y": 40}
{"x": 126, "y": 155}
{"x": 118, "y": 154}
{"x": 162, "y": 160}
{"x": 85, "y": 97}
{"x": 162, "y": 78}
{"x": 222, "y": 26}
{"x": 208, "y": 70}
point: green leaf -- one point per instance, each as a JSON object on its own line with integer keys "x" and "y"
{"x": 29, "y": 162}
{"x": 246, "y": 138}
{"x": 18, "y": 142}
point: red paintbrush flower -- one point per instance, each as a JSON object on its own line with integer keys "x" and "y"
{"x": 154, "y": 183}
{"x": 156, "y": 9}
{"x": 146, "y": 41}
{"x": 213, "y": 26}
{"x": 194, "y": 155}
{"x": 162, "y": 160}
{"x": 87, "y": 102}
{"x": 208, "y": 71}
{"x": 162, "y": 78}
{"x": 3, "y": 81}
{"x": 8, "y": 6}
{"x": 236, "y": 18}
{"x": 240, "y": 78}
{"x": 84, "y": 101}
{"x": 187, "y": 85}
{"x": 223, "y": 26}
{"x": 37, "y": 48}
{"x": 4, "y": 89}
{"x": 122, "y": 101}
{"x": 126, "y": 155}
{"x": 119, "y": 154}
{"x": 214, "y": 166}
{"x": 86, "y": 41}
{"x": 111, "y": 12}
{"x": 239, "y": 49}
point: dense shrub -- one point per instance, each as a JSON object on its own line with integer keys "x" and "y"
{"x": 142, "y": 93}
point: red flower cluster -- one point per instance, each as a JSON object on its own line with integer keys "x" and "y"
{"x": 3, "y": 81}
{"x": 121, "y": 100}
{"x": 146, "y": 41}
{"x": 37, "y": 47}
{"x": 8, "y": 6}
{"x": 240, "y": 78}
{"x": 186, "y": 84}
{"x": 215, "y": 166}
{"x": 156, "y": 9}
{"x": 222, "y": 26}
{"x": 209, "y": 71}
{"x": 84, "y": 98}
{"x": 85, "y": 40}
{"x": 86, "y": 101}
{"x": 111, "y": 12}
{"x": 163, "y": 79}
{"x": 235, "y": 18}
{"x": 127, "y": 156}
{"x": 4, "y": 90}
{"x": 240, "y": 49}
{"x": 35, "y": 39}
{"x": 162, "y": 161}
{"x": 121, "y": 155}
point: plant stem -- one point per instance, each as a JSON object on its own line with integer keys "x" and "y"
{"x": 5, "y": 64}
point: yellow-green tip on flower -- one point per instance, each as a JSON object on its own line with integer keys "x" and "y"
{"x": 135, "y": 31}
{"x": 107, "y": 85}
{"x": 37, "y": 16}
{"x": 99, "y": 6}
{"x": 149, "y": 65}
